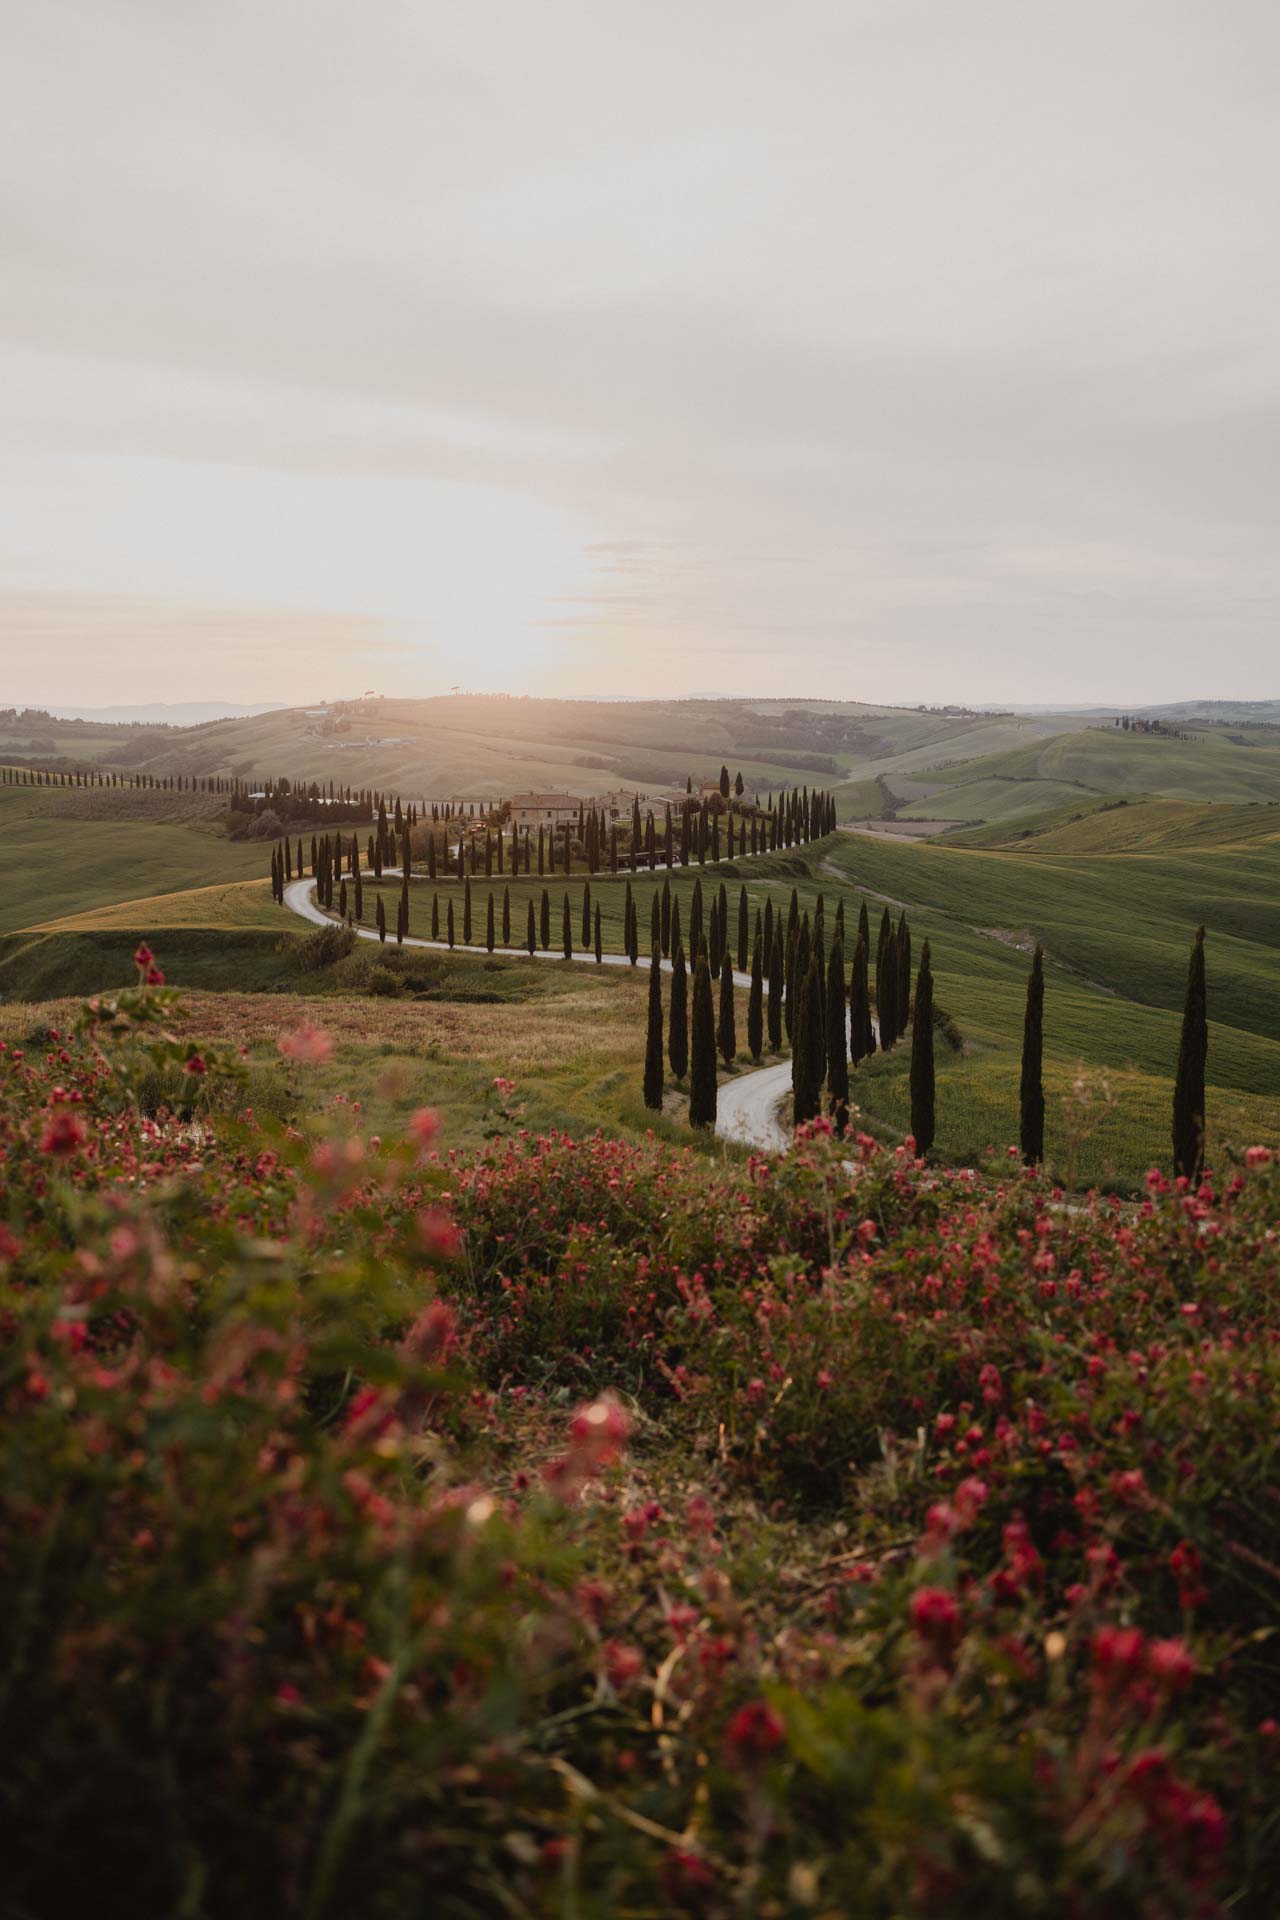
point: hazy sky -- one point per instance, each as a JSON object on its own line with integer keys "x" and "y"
{"x": 897, "y": 349}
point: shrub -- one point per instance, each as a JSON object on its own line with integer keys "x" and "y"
{"x": 314, "y": 1600}
{"x": 325, "y": 947}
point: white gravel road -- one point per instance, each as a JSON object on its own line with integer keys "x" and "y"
{"x": 747, "y": 1108}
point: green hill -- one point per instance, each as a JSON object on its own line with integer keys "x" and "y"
{"x": 1235, "y": 766}
{"x": 473, "y": 747}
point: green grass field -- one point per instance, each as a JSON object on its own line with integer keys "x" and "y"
{"x": 57, "y": 858}
{"x": 1235, "y": 766}
{"x": 1108, "y": 869}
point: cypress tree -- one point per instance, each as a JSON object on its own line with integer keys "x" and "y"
{"x": 678, "y": 1029}
{"x": 887, "y": 990}
{"x": 435, "y": 916}
{"x": 506, "y": 916}
{"x": 675, "y": 923}
{"x": 777, "y": 976}
{"x": 490, "y": 937}
{"x": 599, "y": 938}
{"x": 903, "y": 997}
{"x": 359, "y": 895}
{"x": 727, "y": 1027}
{"x": 922, "y": 1088}
{"x": 1031, "y": 1089}
{"x": 837, "y": 1044}
{"x": 586, "y": 915}
{"x": 744, "y": 929}
{"x": 449, "y": 923}
{"x": 809, "y": 1047}
{"x": 702, "y": 1063}
{"x": 566, "y": 930}
{"x": 653, "y": 1038}
{"x": 531, "y": 937}
{"x": 1188, "y": 1092}
{"x": 860, "y": 1030}
{"x": 628, "y": 908}
{"x": 755, "y": 1004}
{"x": 342, "y": 899}
{"x": 545, "y": 920}
{"x": 633, "y": 936}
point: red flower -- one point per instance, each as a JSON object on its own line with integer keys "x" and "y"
{"x": 437, "y": 1234}
{"x": 308, "y": 1044}
{"x": 143, "y": 957}
{"x": 935, "y": 1619}
{"x": 64, "y": 1135}
{"x": 754, "y": 1732}
{"x": 1119, "y": 1658}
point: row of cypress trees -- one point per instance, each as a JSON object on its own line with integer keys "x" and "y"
{"x": 1189, "y": 1082}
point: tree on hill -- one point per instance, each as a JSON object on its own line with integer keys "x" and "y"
{"x": 726, "y": 1027}
{"x": 599, "y": 938}
{"x": 544, "y": 918}
{"x": 490, "y": 933}
{"x": 566, "y": 930}
{"x": 755, "y": 1004}
{"x": 837, "y": 1044}
{"x": 586, "y": 915}
{"x": 506, "y": 916}
{"x": 449, "y": 931}
{"x": 809, "y": 1046}
{"x": 902, "y": 1000}
{"x": 922, "y": 1080}
{"x": 531, "y": 935}
{"x": 702, "y": 1062}
{"x": 861, "y": 1033}
{"x": 1188, "y": 1092}
{"x": 724, "y": 783}
{"x": 887, "y": 989}
{"x": 678, "y": 1028}
{"x": 737, "y": 785}
{"x": 653, "y": 1037}
{"x": 1031, "y": 1089}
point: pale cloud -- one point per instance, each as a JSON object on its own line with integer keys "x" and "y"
{"x": 925, "y": 351}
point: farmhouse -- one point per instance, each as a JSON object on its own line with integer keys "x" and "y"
{"x": 544, "y": 809}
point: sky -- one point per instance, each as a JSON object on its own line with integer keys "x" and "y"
{"x": 886, "y": 349}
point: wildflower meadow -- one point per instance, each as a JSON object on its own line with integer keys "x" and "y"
{"x": 581, "y": 1528}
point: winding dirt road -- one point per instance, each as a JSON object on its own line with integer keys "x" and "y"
{"x": 747, "y": 1108}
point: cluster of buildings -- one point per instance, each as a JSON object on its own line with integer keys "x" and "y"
{"x": 562, "y": 809}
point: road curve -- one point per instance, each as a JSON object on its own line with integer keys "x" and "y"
{"x": 746, "y": 1107}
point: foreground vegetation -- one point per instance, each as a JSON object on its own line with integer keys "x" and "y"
{"x": 908, "y": 1550}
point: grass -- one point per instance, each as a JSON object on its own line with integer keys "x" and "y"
{"x": 570, "y": 1037}
{"x": 478, "y": 747}
{"x": 1234, "y": 766}
{"x": 1116, "y": 930}
{"x": 55, "y": 861}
